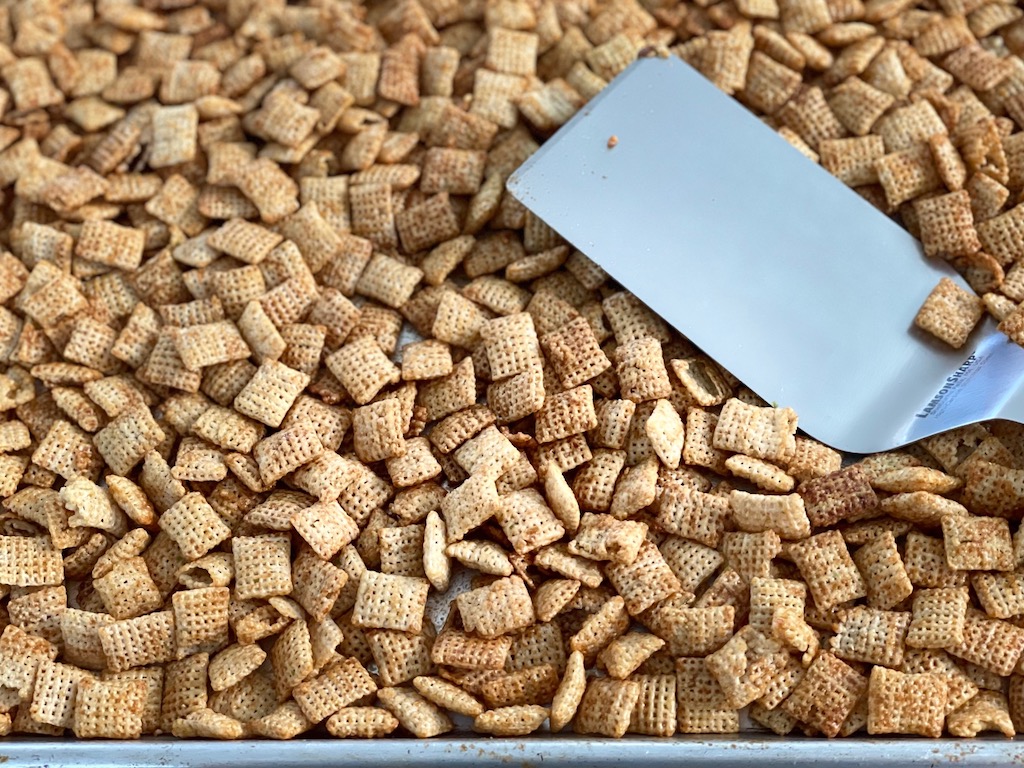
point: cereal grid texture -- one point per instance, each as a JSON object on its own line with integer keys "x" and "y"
{"x": 280, "y": 361}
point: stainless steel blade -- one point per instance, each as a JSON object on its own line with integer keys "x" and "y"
{"x": 777, "y": 270}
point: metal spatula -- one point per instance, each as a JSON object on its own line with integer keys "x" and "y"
{"x": 775, "y": 269}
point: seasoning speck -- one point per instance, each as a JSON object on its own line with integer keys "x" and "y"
{"x": 612, "y": 141}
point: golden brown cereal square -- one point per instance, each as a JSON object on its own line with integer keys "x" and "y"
{"x": 270, "y": 392}
{"x": 1002, "y": 236}
{"x": 363, "y": 369}
{"x": 502, "y": 607}
{"x": 55, "y": 692}
{"x": 764, "y": 433}
{"x": 388, "y": 601}
{"x": 111, "y": 244}
{"x": 325, "y": 527}
{"x": 830, "y": 573}
{"x": 109, "y": 709}
{"x": 750, "y": 554}
{"x": 870, "y": 635}
{"x": 884, "y": 574}
{"x": 606, "y": 707}
{"x": 938, "y": 618}
{"x": 745, "y": 666}
{"x": 174, "y": 135}
{"x": 415, "y": 713}
{"x": 575, "y": 353}
{"x": 842, "y": 495}
{"x": 977, "y": 543}
{"x": 827, "y": 694}
{"x": 128, "y": 590}
{"x": 387, "y": 280}
{"x": 988, "y": 711}
{"x": 262, "y": 566}
{"x": 991, "y": 644}
{"x": 756, "y": 513}
{"x": 701, "y": 706}
{"x": 925, "y": 560}
{"x": 201, "y": 620}
{"x": 640, "y": 367}
{"x": 377, "y": 430}
{"x": 644, "y": 582}
{"x": 140, "y": 641}
{"x": 947, "y": 225}
{"x": 194, "y": 525}
{"x": 338, "y": 686}
{"x": 906, "y": 703}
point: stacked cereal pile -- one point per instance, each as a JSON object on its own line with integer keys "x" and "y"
{"x": 230, "y": 492}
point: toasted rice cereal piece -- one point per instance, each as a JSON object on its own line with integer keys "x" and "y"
{"x": 363, "y": 369}
{"x": 429, "y": 359}
{"x": 655, "y": 711}
{"x": 938, "y": 618}
{"x": 827, "y": 694}
{"x": 701, "y": 705}
{"x": 693, "y": 631}
{"x": 194, "y": 526}
{"x": 602, "y": 537}
{"x": 29, "y": 562}
{"x": 991, "y": 644}
{"x": 140, "y": 641}
{"x": 174, "y": 135}
{"x": 907, "y": 173}
{"x": 340, "y": 685}
{"x": 127, "y": 589}
{"x": 361, "y": 722}
{"x": 594, "y": 485}
{"x": 745, "y": 665}
{"x": 767, "y": 595}
{"x": 977, "y": 543}
{"x": 869, "y": 635}
{"x": 901, "y": 703}
{"x": 636, "y": 489}
{"x": 184, "y": 689}
{"x": 925, "y": 560}
{"x": 286, "y": 451}
{"x": 625, "y": 654}
{"x": 574, "y": 352}
{"x": 389, "y": 601}
{"x": 763, "y": 474}
{"x": 262, "y": 566}
{"x": 497, "y": 609}
{"x": 201, "y": 620}
{"x": 109, "y": 709}
{"x": 640, "y": 368}
{"x": 606, "y": 707}
{"x": 988, "y": 711}
{"x": 828, "y": 569}
{"x": 845, "y": 494}
{"x": 54, "y": 694}
{"x": 104, "y": 242}
{"x": 921, "y": 507}
{"x": 207, "y": 724}
{"x": 783, "y": 514}
{"x": 645, "y": 581}
{"x": 524, "y": 686}
{"x": 764, "y": 433}
{"x": 884, "y": 574}
{"x": 664, "y": 428}
{"x": 233, "y": 664}
{"x": 751, "y": 554}
{"x": 519, "y": 720}
{"x": 414, "y": 712}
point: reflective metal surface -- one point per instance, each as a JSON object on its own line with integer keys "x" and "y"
{"x": 722, "y": 752}
{"x": 759, "y": 256}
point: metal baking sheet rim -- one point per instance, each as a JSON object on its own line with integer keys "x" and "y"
{"x": 720, "y": 752}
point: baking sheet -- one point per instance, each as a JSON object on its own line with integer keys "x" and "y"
{"x": 719, "y": 752}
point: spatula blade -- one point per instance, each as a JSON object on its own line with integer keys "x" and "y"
{"x": 777, "y": 270}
